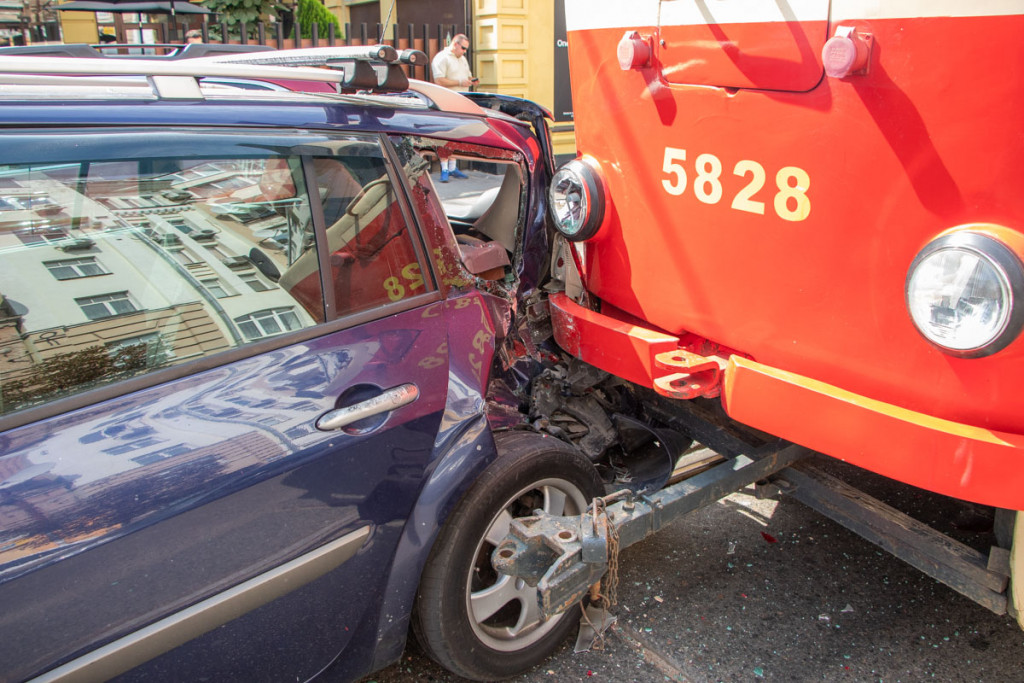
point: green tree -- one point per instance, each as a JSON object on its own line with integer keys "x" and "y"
{"x": 251, "y": 12}
{"x": 313, "y": 12}
{"x": 76, "y": 371}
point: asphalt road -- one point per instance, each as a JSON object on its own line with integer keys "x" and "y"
{"x": 751, "y": 590}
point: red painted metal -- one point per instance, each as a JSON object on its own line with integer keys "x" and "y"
{"x": 691, "y": 375}
{"x": 777, "y": 56}
{"x": 755, "y": 202}
{"x": 958, "y": 460}
{"x": 616, "y": 345}
{"x": 614, "y": 342}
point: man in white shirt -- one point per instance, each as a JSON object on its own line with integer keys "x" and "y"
{"x": 451, "y": 69}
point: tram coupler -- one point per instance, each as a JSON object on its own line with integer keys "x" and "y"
{"x": 563, "y": 556}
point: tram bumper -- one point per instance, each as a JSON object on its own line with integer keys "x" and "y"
{"x": 973, "y": 463}
{"x": 964, "y": 461}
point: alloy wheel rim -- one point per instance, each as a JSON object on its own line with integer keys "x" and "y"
{"x": 503, "y": 611}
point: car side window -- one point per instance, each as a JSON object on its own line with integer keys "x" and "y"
{"x": 372, "y": 252}
{"x": 113, "y": 265}
{"x": 111, "y": 269}
{"x": 485, "y": 211}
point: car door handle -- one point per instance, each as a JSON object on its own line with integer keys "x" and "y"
{"x": 392, "y": 399}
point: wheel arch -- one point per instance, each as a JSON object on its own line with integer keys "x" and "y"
{"x": 469, "y": 455}
{"x": 464, "y": 457}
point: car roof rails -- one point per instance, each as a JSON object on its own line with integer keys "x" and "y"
{"x": 70, "y": 50}
{"x": 370, "y": 67}
{"x": 373, "y": 69}
{"x": 197, "y": 50}
{"x": 168, "y": 79}
{"x": 106, "y": 50}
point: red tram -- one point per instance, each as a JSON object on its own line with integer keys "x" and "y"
{"x": 814, "y": 210}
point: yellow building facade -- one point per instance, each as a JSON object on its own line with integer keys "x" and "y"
{"x": 514, "y": 53}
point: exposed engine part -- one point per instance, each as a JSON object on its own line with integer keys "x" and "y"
{"x": 583, "y": 376}
{"x": 600, "y": 432}
{"x": 601, "y": 416}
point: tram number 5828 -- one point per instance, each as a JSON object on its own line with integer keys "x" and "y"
{"x": 790, "y": 202}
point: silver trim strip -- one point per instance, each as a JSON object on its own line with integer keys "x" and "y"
{"x": 163, "y": 636}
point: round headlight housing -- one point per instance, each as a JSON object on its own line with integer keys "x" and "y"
{"x": 576, "y": 200}
{"x": 963, "y": 292}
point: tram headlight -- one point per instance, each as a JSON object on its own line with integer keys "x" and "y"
{"x": 963, "y": 292}
{"x": 576, "y": 200}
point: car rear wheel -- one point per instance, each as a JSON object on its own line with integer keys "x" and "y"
{"x": 472, "y": 620}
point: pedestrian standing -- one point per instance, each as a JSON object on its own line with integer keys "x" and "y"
{"x": 450, "y": 68}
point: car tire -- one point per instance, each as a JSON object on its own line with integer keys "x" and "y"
{"x": 470, "y": 619}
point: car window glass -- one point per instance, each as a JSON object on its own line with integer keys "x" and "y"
{"x": 111, "y": 269}
{"x": 373, "y": 256}
{"x": 485, "y": 201}
{"x": 126, "y": 252}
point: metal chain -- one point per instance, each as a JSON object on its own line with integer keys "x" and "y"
{"x": 610, "y": 596}
{"x": 612, "y": 578}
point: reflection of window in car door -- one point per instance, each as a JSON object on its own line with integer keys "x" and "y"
{"x": 283, "y": 187}
{"x": 190, "y": 252}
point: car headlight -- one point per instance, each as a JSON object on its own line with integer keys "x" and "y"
{"x": 576, "y": 200}
{"x": 963, "y": 292}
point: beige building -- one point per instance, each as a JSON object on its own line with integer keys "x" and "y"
{"x": 514, "y": 46}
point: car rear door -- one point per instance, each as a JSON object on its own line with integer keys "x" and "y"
{"x": 221, "y": 373}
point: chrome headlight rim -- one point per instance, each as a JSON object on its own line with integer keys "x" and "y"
{"x": 1010, "y": 271}
{"x": 581, "y": 175}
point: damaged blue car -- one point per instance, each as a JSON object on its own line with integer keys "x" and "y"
{"x": 263, "y": 404}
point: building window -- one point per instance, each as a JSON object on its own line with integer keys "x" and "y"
{"x": 267, "y": 323}
{"x": 180, "y": 225}
{"x": 40, "y": 237}
{"x": 218, "y": 251}
{"x": 106, "y": 305}
{"x": 69, "y": 269}
{"x": 231, "y": 183}
{"x": 254, "y": 281}
{"x": 183, "y": 256}
{"x": 161, "y": 455}
{"x": 132, "y": 446}
{"x": 214, "y": 286}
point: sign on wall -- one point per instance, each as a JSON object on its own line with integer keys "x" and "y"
{"x": 563, "y": 92}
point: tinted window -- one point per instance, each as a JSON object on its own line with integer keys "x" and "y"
{"x": 372, "y": 252}
{"x": 111, "y": 267}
